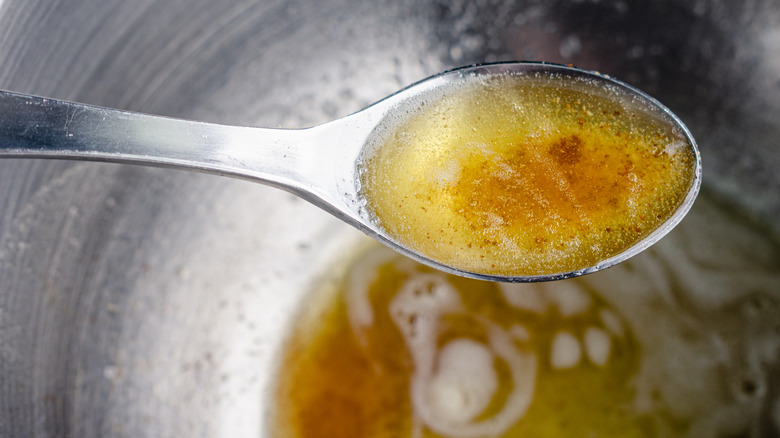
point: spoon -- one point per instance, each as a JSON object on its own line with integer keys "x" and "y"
{"x": 321, "y": 164}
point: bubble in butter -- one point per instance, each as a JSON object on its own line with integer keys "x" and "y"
{"x": 524, "y": 175}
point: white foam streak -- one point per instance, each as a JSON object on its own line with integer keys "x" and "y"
{"x": 464, "y": 383}
{"x": 451, "y": 387}
{"x": 565, "y": 352}
{"x": 522, "y": 367}
{"x": 597, "y": 346}
{"x": 523, "y": 296}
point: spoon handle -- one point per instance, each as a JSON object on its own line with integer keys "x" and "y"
{"x": 36, "y": 127}
{"x": 316, "y": 164}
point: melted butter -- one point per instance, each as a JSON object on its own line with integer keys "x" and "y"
{"x": 356, "y": 375}
{"x": 658, "y": 346}
{"x": 527, "y": 177}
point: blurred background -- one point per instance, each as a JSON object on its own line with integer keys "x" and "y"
{"x": 148, "y": 302}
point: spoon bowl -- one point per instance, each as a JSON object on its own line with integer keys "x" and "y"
{"x": 321, "y": 164}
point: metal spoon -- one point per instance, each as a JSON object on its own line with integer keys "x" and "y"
{"x": 318, "y": 164}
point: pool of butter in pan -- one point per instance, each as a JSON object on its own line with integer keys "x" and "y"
{"x": 679, "y": 341}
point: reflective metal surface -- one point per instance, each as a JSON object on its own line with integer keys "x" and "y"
{"x": 319, "y": 164}
{"x": 144, "y": 302}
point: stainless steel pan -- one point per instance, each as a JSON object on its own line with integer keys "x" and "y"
{"x": 148, "y": 302}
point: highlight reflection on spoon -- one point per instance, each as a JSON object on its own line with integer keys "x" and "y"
{"x": 327, "y": 164}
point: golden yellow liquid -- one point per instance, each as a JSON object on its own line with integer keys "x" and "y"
{"x": 527, "y": 178}
{"x": 339, "y": 380}
{"x": 681, "y": 321}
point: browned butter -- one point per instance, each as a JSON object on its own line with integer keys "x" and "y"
{"x": 516, "y": 176}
